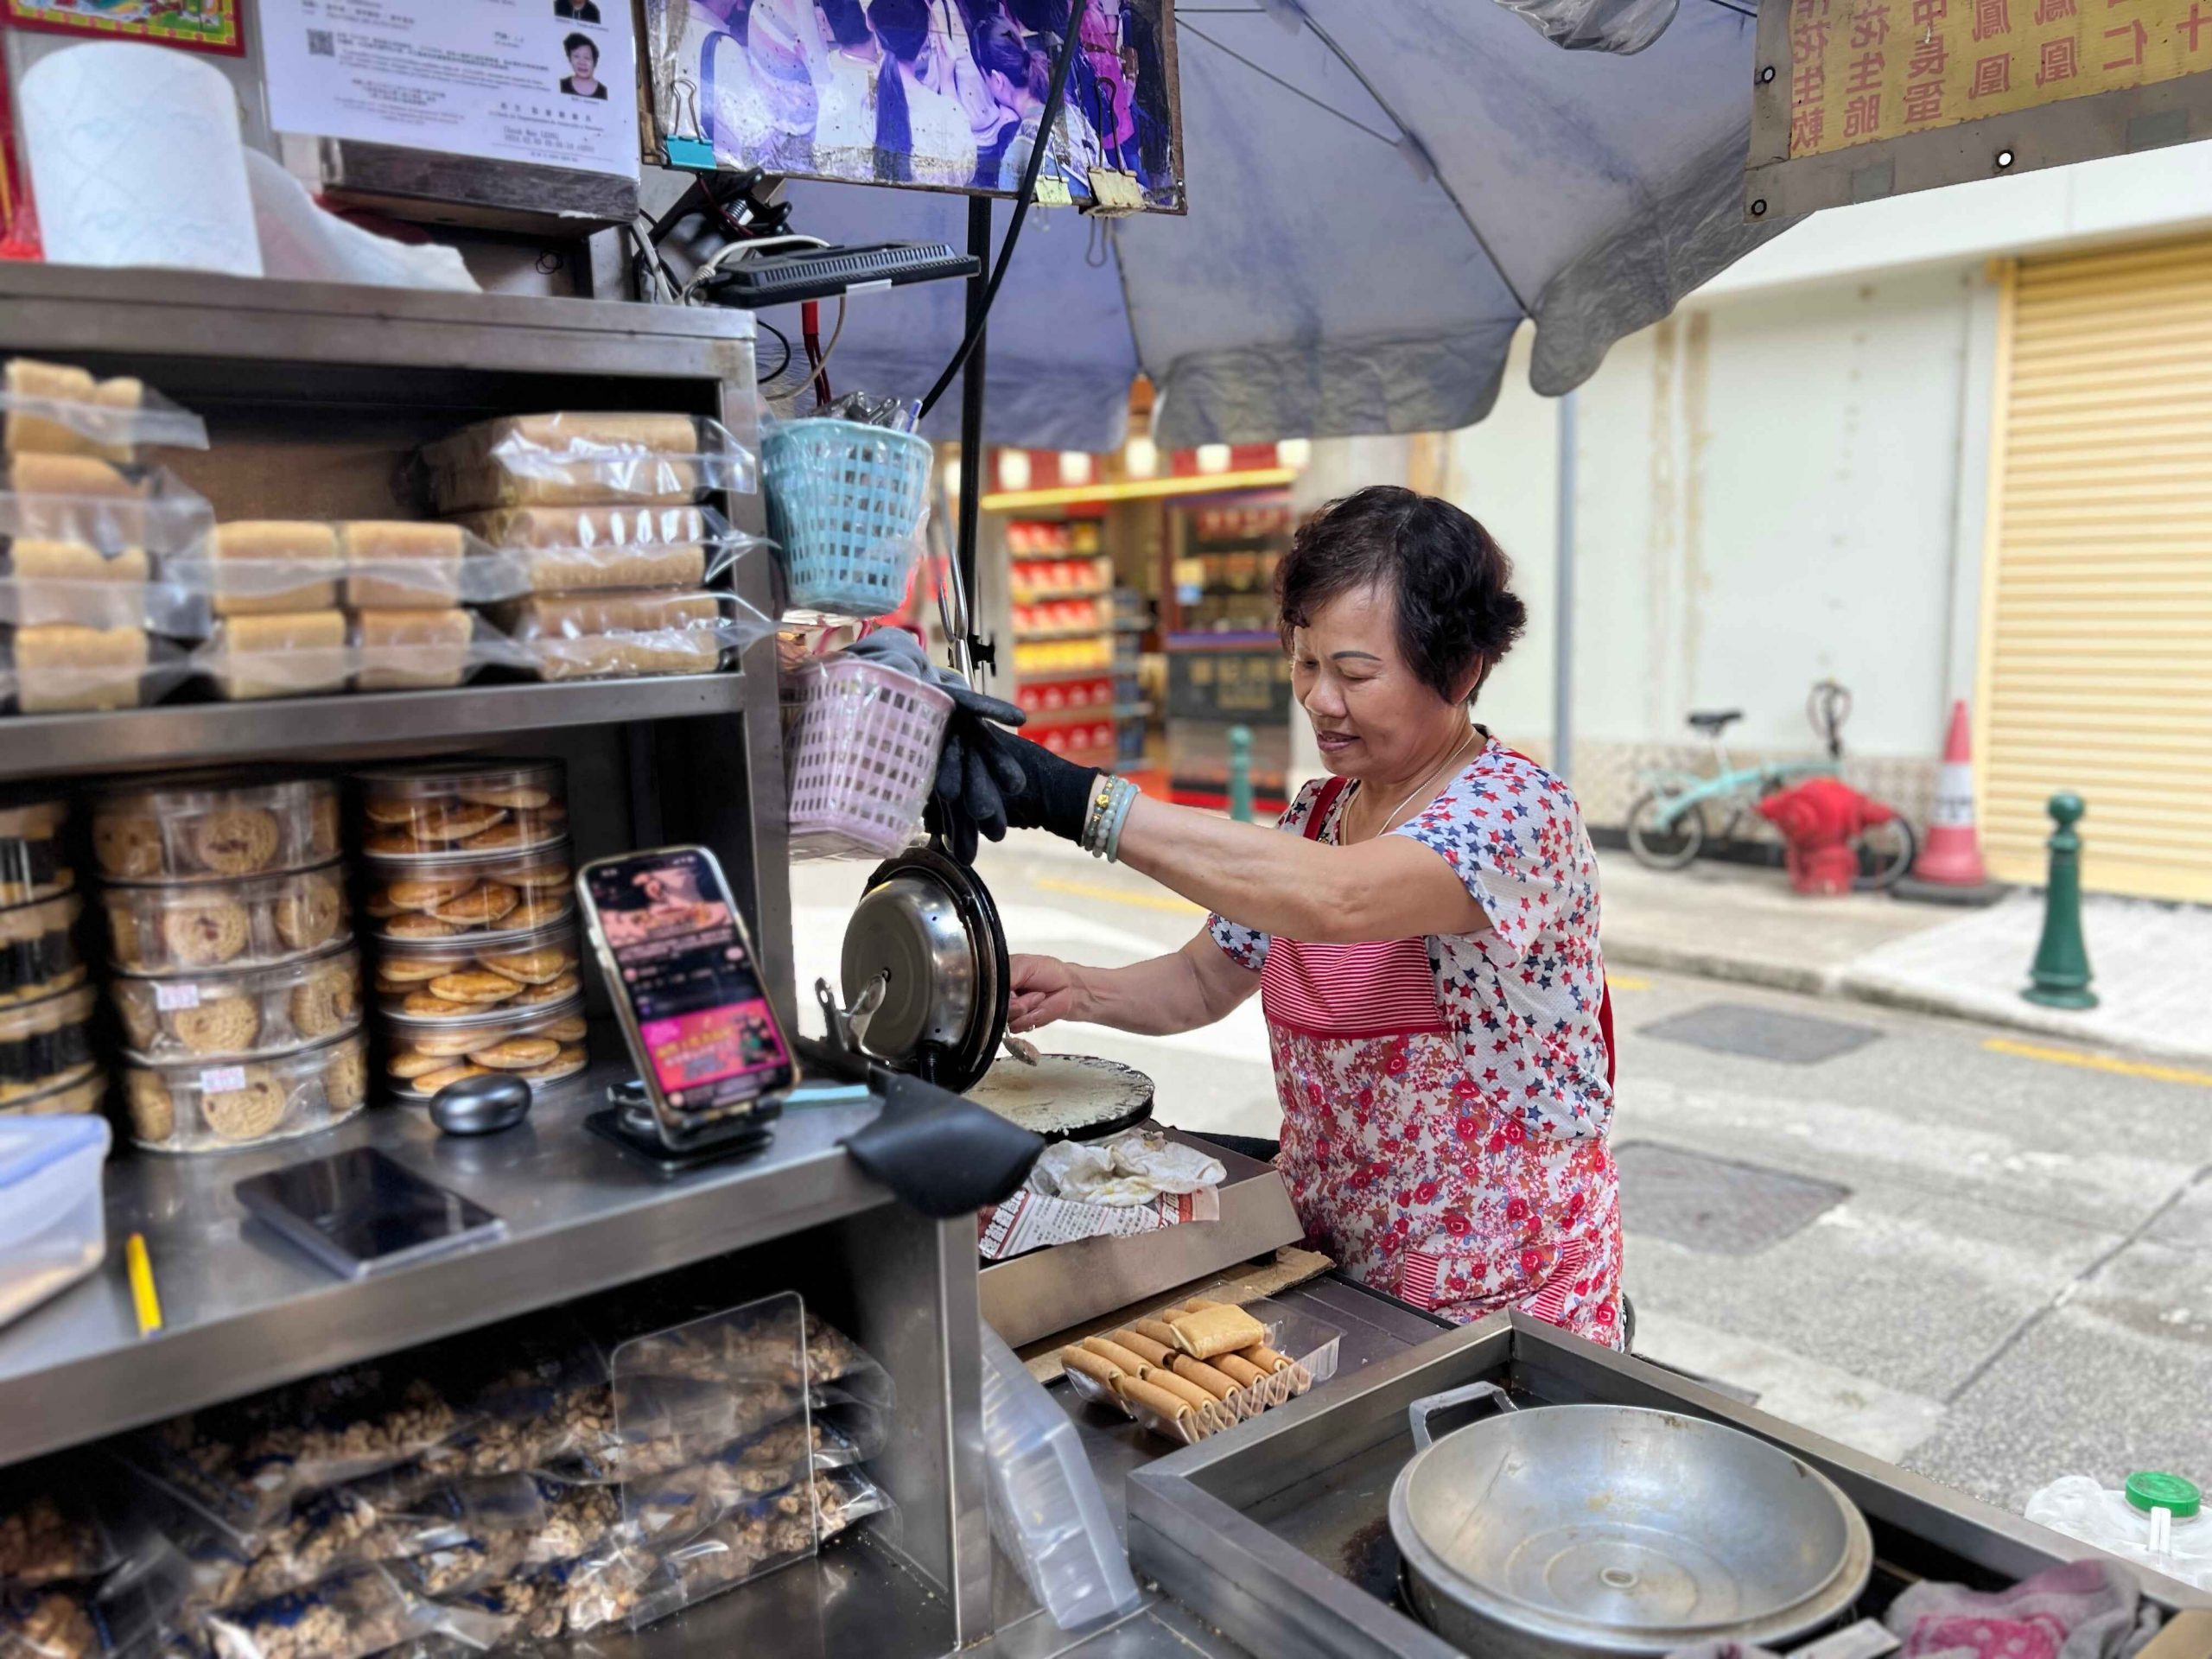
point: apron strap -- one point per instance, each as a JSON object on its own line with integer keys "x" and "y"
{"x": 1322, "y": 804}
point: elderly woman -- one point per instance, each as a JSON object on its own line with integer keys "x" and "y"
{"x": 1423, "y": 937}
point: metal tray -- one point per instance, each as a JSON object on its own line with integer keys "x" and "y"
{"x": 1275, "y": 1530}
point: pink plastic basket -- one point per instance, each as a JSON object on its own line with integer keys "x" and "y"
{"x": 865, "y": 757}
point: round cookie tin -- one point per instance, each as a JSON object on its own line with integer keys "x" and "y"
{"x": 218, "y": 1106}
{"x": 214, "y": 827}
{"x": 248, "y": 1014}
{"x": 464, "y": 809}
{"x": 248, "y": 923}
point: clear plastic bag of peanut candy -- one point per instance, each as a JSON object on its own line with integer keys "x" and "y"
{"x": 758, "y": 1537}
{"x": 536, "y": 1391}
{"x": 388, "y": 1523}
{"x": 565, "y": 1599}
{"x": 54, "y": 1528}
{"x": 245, "y": 1465}
{"x": 577, "y": 457}
{"x": 684, "y": 1393}
{"x": 776, "y": 1339}
{"x": 664, "y": 1510}
{"x": 591, "y": 549}
{"x": 348, "y": 1615}
{"x": 52, "y": 1623}
{"x": 58, "y": 408}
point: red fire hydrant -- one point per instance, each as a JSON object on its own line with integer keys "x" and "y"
{"x": 1820, "y": 820}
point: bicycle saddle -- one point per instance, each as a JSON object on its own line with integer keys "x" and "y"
{"x": 1713, "y": 721}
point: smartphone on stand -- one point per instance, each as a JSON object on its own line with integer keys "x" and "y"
{"x": 712, "y": 1057}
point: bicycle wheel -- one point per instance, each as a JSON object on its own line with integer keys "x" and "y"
{"x": 1657, "y": 845}
{"x": 1886, "y": 852}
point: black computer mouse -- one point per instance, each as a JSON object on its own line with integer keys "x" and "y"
{"x": 480, "y": 1105}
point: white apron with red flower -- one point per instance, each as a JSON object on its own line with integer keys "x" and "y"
{"x": 1445, "y": 1099}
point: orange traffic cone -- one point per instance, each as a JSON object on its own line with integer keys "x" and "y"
{"x": 1952, "y": 857}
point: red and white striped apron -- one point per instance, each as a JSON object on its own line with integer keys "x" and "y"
{"x": 1398, "y": 1165}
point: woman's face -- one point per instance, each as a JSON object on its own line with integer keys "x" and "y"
{"x": 1373, "y": 716}
{"x": 581, "y": 62}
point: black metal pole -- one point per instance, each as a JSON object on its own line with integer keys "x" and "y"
{"x": 971, "y": 423}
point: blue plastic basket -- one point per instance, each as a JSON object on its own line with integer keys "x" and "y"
{"x": 845, "y": 501}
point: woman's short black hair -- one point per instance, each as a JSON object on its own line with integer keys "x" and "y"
{"x": 1450, "y": 580}
{"x": 575, "y": 40}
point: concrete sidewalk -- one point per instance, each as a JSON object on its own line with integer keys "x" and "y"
{"x": 2152, "y": 962}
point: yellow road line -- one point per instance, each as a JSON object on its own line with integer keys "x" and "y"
{"x": 1627, "y": 983}
{"x": 1115, "y": 895}
{"x": 2098, "y": 1062}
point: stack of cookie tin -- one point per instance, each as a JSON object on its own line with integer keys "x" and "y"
{"x": 47, "y": 1062}
{"x": 469, "y": 893}
{"x": 237, "y": 986}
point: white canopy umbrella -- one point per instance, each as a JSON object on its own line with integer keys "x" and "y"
{"x": 1380, "y": 192}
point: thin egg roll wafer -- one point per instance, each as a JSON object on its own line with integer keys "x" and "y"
{"x": 1238, "y": 1369}
{"x": 1197, "y": 1370}
{"x": 1152, "y": 1353}
{"x": 1096, "y": 1366}
{"x": 1181, "y": 1387}
{"x": 1168, "y": 1407}
{"x": 1119, "y": 1355}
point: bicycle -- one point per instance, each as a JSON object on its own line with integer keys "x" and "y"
{"x": 1667, "y": 825}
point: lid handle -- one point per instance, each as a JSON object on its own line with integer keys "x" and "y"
{"x": 1418, "y": 1412}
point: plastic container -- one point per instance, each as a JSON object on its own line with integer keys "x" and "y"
{"x": 87, "y": 1093}
{"x": 2156, "y": 1519}
{"x": 46, "y": 1043}
{"x": 542, "y": 1044}
{"x": 490, "y": 895}
{"x": 846, "y": 502}
{"x": 244, "y": 1015}
{"x": 1310, "y": 1344}
{"x": 219, "y": 825}
{"x": 625, "y": 635}
{"x": 581, "y": 457}
{"x": 39, "y": 953}
{"x": 53, "y": 1225}
{"x": 250, "y": 923}
{"x": 1047, "y": 1512}
{"x": 865, "y": 756}
{"x": 33, "y": 862}
{"x": 542, "y": 968}
{"x": 203, "y": 1106}
{"x": 462, "y": 808}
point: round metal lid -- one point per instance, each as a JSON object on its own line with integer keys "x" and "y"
{"x": 1628, "y": 1531}
{"x": 927, "y": 931}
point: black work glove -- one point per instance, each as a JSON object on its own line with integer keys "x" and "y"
{"x": 1052, "y": 794}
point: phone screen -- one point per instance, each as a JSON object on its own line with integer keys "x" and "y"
{"x": 709, "y": 1037}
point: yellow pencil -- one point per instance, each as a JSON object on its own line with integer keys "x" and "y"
{"x": 142, "y": 1295}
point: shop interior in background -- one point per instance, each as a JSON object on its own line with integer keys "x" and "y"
{"x": 1141, "y": 623}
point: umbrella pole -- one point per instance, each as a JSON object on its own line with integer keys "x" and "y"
{"x": 971, "y": 428}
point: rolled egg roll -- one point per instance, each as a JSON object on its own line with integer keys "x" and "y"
{"x": 1152, "y": 1353}
{"x": 1158, "y": 1329}
{"x": 1096, "y": 1366}
{"x": 1168, "y": 1407}
{"x": 1206, "y": 1377}
{"x": 1181, "y": 1387}
{"x": 1120, "y": 1356}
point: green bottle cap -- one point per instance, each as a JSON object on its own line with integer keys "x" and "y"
{"x": 2148, "y": 1489}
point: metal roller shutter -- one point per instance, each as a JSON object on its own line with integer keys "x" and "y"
{"x": 2096, "y": 645}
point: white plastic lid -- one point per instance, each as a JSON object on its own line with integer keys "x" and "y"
{"x": 29, "y": 1146}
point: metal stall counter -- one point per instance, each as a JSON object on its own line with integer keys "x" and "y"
{"x": 317, "y": 399}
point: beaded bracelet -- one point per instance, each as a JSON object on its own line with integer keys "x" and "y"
{"x": 1093, "y": 839}
{"x": 1120, "y": 816}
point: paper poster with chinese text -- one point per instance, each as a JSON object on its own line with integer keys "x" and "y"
{"x": 1862, "y": 71}
{"x": 552, "y": 82}
{"x": 202, "y": 25}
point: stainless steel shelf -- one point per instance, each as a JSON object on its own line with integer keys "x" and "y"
{"x": 246, "y": 1310}
{"x": 195, "y": 733}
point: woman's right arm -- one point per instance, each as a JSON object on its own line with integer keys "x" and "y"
{"x": 1193, "y": 986}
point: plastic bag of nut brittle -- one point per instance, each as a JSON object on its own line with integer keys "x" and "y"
{"x": 347, "y": 1617}
{"x": 52, "y": 1529}
{"x": 245, "y": 1465}
{"x": 758, "y": 1537}
{"x": 393, "y": 1521}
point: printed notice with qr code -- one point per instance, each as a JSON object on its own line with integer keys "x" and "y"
{"x": 547, "y": 81}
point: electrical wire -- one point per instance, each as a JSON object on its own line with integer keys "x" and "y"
{"x": 822, "y": 364}
{"x": 707, "y": 272}
{"x": 1054, "y": 100}
{"x": 783, "y": 340}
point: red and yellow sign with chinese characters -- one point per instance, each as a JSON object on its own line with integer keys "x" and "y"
{"x": 1864, "y": 70}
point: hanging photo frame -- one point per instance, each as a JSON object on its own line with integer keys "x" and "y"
{"x": 929, "y": 94}
{"x": 197, "y": 25}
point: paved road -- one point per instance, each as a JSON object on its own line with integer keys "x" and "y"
{"x": 2007, "y": 1278}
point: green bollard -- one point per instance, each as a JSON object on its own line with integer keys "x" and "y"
{"x": 2061, "y": 971}
{"x": 1240, "y": 773}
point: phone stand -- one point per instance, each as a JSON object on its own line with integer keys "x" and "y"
{"x": 627, "y": 1120}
